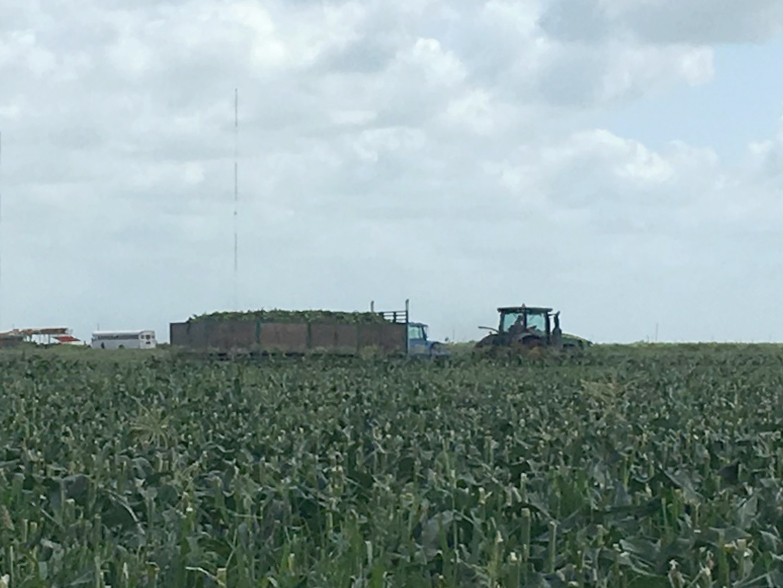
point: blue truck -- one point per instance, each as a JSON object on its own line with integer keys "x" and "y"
{"x": 418, "y": 342}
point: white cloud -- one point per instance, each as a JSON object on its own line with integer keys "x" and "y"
{"x": 695, "y": 22}
{"x": 441, "y": 151}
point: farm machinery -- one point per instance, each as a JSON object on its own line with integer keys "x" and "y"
{"x": 527, "y": 327}
{"x": 292, "y": 332}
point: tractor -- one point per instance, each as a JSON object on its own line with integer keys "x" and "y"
{"x": 528, "y": 327}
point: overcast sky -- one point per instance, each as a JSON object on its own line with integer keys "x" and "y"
{"x": 619, "y": 160}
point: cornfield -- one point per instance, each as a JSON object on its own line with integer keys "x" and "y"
{"x": 648, "y": 468}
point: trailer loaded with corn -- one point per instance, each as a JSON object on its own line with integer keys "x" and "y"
{"x": 310, "y": 331}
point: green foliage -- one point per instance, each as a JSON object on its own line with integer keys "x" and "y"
{"x": 616, "y": 467}
{"x": 293, "y": 316}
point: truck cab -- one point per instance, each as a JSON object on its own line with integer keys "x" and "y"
{"x": 419, "y": 344}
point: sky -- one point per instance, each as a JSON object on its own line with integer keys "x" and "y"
{"x": 618, "y": 160}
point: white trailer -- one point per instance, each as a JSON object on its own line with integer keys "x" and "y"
{"x": 143, "y": 339}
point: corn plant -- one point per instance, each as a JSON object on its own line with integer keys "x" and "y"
{"x": 618, "y": 467}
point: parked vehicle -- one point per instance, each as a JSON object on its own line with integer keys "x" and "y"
{"x": 141, "y": 339}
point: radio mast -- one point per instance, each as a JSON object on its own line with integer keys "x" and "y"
{"x": 2, "y": 299}
{"x": 236, "y": 199}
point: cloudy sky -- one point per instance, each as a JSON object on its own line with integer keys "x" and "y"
{"x": 620, "y": 160}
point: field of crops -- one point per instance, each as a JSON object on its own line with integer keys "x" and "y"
{"x": 619, "y": 467}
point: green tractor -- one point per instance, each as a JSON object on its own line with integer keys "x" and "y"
{"x": 528, "y": 327}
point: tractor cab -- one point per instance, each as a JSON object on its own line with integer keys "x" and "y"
{"x": 533, "y": 319}
{"x": 529, "y": 325}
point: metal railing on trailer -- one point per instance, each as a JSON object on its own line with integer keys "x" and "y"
{"x": 397, "y": 317}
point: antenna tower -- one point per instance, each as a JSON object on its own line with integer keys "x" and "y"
{"x": 1, "y": 236}
{"x": 236, "y": 199}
